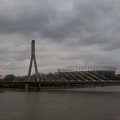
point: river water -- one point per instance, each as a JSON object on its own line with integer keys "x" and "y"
{"x": 101, "y": 103}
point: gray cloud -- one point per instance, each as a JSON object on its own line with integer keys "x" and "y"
{"x": 67, "y": 32}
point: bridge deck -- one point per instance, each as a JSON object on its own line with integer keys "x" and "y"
{"x": 66, "y": 81}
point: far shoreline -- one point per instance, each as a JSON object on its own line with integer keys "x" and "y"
{"x": 3, "y": 89}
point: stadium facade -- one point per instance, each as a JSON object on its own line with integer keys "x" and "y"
{"x": 89, "y": 72}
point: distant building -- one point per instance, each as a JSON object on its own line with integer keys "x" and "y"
{"x": 89, "y": 72}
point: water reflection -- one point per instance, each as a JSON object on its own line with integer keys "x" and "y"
{"x": 100, "y": 103}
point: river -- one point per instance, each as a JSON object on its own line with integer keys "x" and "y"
{"x": 101, "y": 103}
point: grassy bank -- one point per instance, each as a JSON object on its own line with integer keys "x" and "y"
{"x": 48, "y": 88}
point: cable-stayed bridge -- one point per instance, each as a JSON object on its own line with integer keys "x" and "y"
{"x": 67, "y": 77}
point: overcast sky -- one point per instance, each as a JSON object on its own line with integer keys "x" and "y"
{"x": 67, "y": 33}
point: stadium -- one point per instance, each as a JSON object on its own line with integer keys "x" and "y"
{"x": 82, "y": 73}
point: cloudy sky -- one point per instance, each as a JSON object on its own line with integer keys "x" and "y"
{"x": 67, "y": 33}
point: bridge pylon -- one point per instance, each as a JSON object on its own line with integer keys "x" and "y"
{"x": 33, "y": 59}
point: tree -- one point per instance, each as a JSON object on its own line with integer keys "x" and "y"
{"x": 9, "y": 77}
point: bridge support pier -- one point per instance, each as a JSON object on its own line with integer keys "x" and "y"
{"x": 26, "y": 87}
{"x": 38, "y": 87}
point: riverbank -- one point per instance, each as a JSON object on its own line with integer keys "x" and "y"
{"x": 50, "y": 88}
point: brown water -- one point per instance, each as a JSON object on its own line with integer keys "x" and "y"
{"x": 102, "y": 103}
